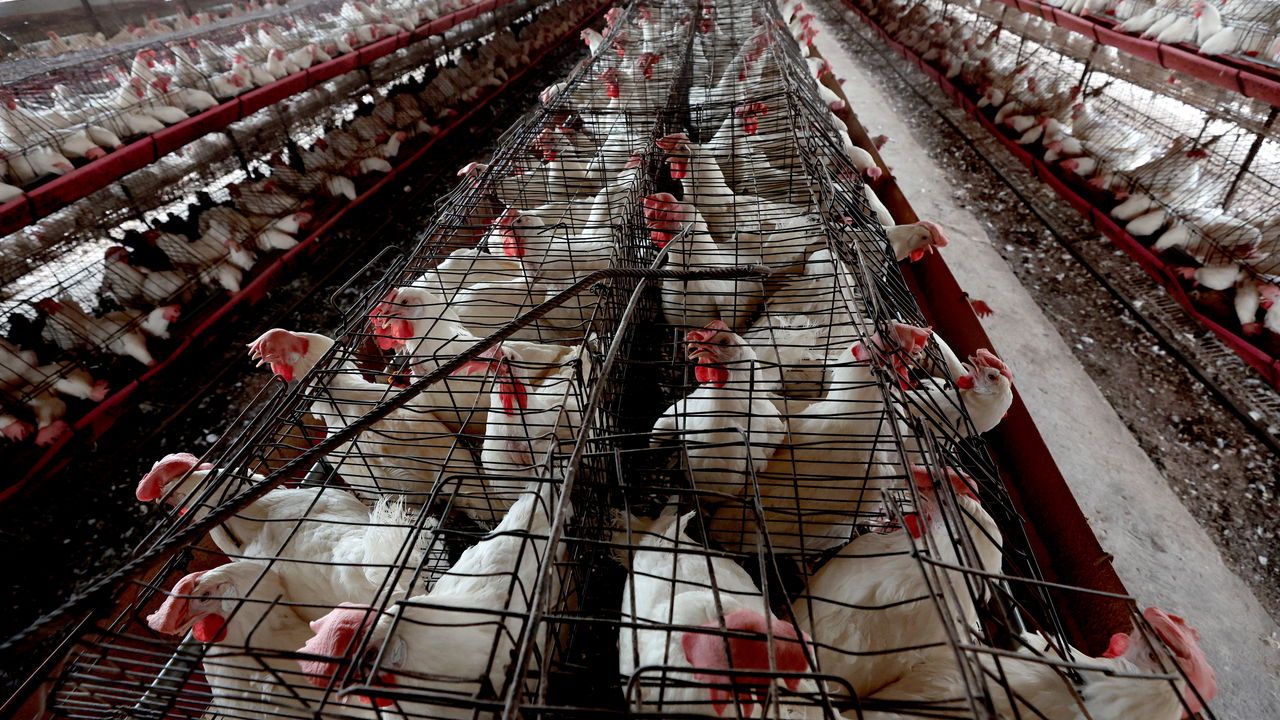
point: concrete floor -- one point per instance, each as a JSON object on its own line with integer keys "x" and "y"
{"x": 1162, "y": 554}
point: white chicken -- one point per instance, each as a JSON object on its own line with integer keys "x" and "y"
{"x": 779, "y": 235}
{"x": 70, "y": 327}
{"x": 405, "y": 453}
{"x": 983, "y": 386}
{"x": 871, "y": 609}
{"x": 829, "y": 474}
{"x": 728, "y": 425}
{"x": 328, "y": 546}
{"x": 1127, "y": 681}
{"x": 803, "y": 321}
{"x": 689, "y": 615}
{"x": 527, "y": 421}
{"x": 679, "y": 229}
{"x": 419, "y": 324}
{"x": 24, "y": 382}
{"x": 346, "y": 395}
{"x": 136, "y": 286}
{"x": 233, "y": 607}
{"x": 447, "y": 644}
{"x": 206, "y": 258}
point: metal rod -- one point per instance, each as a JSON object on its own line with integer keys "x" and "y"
{"x": 104, "y": 585}
{"x": 93, "y": 16}
{"x": 1248, "y": 158}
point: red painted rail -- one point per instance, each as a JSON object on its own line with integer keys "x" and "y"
{"x": 1250, "y": 79}
{"x": 1069, "y": 187}
{"x": 87, "y": 179}
{"x": 98, "y": 420}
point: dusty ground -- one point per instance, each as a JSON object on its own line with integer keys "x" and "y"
{"x": 97, "y": 521}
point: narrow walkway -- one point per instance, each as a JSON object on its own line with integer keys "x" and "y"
{"x": 1162, "y": 553}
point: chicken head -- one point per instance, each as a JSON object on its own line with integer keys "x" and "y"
{"x": 335, "y": 635}
{"x": 712, "y": 347}
{"x": 749, "y": 114}
{"x": 724, "y": 647}
{"x": 165, "y": 472}
{"x": 678, "y": 150}
{"x": 194, "y": 603}
{"x": 901, "y": 342}
{"x": 1184, "y": 642}
{"x": 988, "y": 374}
{"x": 513, "y": 227}
{"x": 666, "y": 217}
{"x": 511, "y": 390}
{"x": 282, "y": 350}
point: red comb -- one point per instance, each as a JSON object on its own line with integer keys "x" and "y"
{"x": 663, "y": 214}
{"x": 335, "y": 633}
{"x": 986, "y": 358}
{"x": 163, "y": 472}
{"x": 706, "y": 332}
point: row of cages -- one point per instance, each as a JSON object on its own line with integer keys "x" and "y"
{"x": 63, "y": 112}
{"x": 96, "y": 295}
{"x": 647, "y": 424}
{"x": 37, "y": 28}
{"x": 1188, "y": 169}
{"x": 1248, "y": 29}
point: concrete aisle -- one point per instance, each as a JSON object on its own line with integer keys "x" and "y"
{"x": 1162, "y": 554}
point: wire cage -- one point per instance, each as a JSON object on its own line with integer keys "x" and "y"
{"x": 1178, "y": 163}
{"x": 34, "y": 28}
{"x": 167, "y": 243}
{"x": 1247, "y": 29}
{"x": 77, "y": 108}
{"x": 680, "y": 457}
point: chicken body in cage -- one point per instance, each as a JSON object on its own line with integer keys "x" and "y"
{"x": 647, "y": 424}
{"x": 1177, "y": 160}
{"x": 103, "y": 291}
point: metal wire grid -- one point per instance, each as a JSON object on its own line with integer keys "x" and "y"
{"x": 230, "y": 28}
{"x": 1029, "y": 32}
{"x": 111, "y": 669}
{"x": 1139, "y": 122}
{"x": 27, "y": 23}
{"x": 64, "y": 107}
{"x": 68, "y": 264}
{"x": 1254, "y": 22}
{"x": 553, "y": 629}
{"x": 674, "y": 677}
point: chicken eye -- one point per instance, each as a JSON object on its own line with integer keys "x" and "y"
{"x": 370, "y": 656}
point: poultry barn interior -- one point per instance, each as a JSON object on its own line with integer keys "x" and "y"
{"x": 651, "y": 358}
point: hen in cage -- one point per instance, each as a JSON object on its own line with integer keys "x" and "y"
{"x": 213, "y": 220}
{"x": 673, "y": 292}
{"x": 1179, "y": 164}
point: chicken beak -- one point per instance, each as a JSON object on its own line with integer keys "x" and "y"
{"x": 702, "y": 351}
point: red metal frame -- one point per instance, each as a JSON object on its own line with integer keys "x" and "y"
{"x": 1077, "y": 195}
{"x": 98, "y": 420}
{"x": 62, "y": 191}
{"x": 1250, "y": 79}
{"x": 1065, "y": 547}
